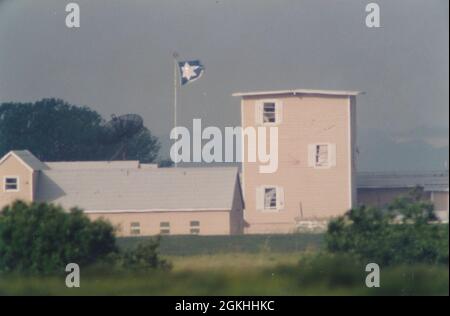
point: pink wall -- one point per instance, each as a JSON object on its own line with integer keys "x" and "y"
{"x": 319, "y": 193}
{"x": 211, "y": 222}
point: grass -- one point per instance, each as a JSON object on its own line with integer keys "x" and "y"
{"x": 263, "y": 273}
{"x": 240, "y": 265}
{"x": 203, "y": 245}
{"x": 233, "y": 261}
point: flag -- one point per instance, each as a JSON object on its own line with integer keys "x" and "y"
{"x": 190, "y": 71}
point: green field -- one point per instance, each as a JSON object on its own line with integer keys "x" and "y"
{"x": 263, "y": 273}
{"x": 240, "y": 265}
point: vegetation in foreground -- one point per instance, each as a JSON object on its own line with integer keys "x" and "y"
{"x": 222, "y": 275}
{"x": 41, "y": 239}
{"x": 53, "y": 237}
{"x": 406, "y": 232}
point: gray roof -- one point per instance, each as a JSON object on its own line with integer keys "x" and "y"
{"x": 430, "y": 181}
{"x": 28, "y": 158}
{"x": 84, "y": 165}
{"x": 148, "y": 189}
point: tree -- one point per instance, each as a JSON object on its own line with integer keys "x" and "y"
{"x": 42, "y": 238}
{"x": 403, "y": 233}
{"x": 54, "y": 130}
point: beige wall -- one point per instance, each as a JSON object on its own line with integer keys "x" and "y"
{"x": 14, "y": 167}
{"x": 211, "y": 222}
{"x": 309, "y": 193}
{"x": 440, "y": 201}
{"x": 382, "y": 197}
{"x": 379, "y": 197}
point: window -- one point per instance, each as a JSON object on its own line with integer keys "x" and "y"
{"x": 269, "y": 198}
{"x": 195, "y": 227}
{"x": 135, "y": 228}
{"x": 268, "y": 112}
{"x": 164, "y": 228}
{"x": 11, "y": 184}
{"x": 322, "y": 155}
{"x": 195, "y": 231}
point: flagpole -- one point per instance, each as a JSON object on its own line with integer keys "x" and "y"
{"x": 175, "y": 96}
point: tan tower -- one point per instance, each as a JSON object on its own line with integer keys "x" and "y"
{"x": 315, "y": 179}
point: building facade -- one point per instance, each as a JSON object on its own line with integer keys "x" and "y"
{"x": 138, "y": 199}
{"x": 378, "y": 189}
{"x": 315, "y": 179}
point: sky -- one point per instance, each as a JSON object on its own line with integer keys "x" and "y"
{"x": 120, "y": 61}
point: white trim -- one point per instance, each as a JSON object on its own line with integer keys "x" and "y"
{"x": 278, "y": 107}
{"x": 298, "y": 91}
{"x": 243, "y": 155}
{"x": 32, "y": 186}
{"x": 18, "y": 158}
{"x": 135, "y": 229}
{"x": 278, "y": 208}
{"x": 350, "y": 154}
{"x": 329, "y": 147}
{"x": 158, "y": 210}
{"x": 17, "y": 184}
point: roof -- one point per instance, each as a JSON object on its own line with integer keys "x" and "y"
{"x": 27, "y": 158}
{"x": 430, "y": 181}
{"x": 134, "y": 190}
{"x": 298, "y": 91}
{"x": 83, "y": 165}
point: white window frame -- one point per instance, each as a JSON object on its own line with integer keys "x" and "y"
{"x": 270, "y": 207}
{"x": 135, "y": 229}
{"x": 260, "y": 194}
{"x": 331, "y": 155}
{"x": 316, "y": 156}
{"x": 259, "y": 112}
{"x": 194, "y": 229}
{"x": 17, "y": 184}
{"x": 166, "y": 228}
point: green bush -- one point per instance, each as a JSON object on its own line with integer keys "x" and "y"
{"x": 144, "y": 256}
{"x": 404, "y": 233}
{"x": 42, "y": 238}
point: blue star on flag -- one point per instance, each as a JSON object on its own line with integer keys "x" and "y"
{"x": 190, "y": 71}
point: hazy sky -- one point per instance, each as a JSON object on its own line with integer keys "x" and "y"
{"x": 120, "y": 61}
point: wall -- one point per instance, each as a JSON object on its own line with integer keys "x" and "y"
{"x": 310, "y": 194}
{"x": 211, "y": 222}
{"x": 14, "y": 167}
{"x": 441, "y": 205}
{"x": 382, "y": 197}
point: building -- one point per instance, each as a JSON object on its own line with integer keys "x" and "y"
{"x": 379, "y": 189}
{"x": 138, "y": 199}
{"x": 316, "y": 178}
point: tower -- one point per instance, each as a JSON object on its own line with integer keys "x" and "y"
{"x": 315, "y": 179}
